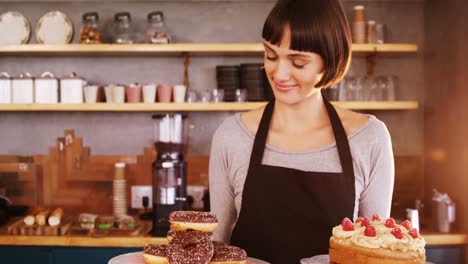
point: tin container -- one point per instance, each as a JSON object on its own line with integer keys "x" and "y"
{"x": 5, "y": 88}
{"x": 46, "y": 89}
{"x": 71, "y": 89}
{"x": 22, "y": 89}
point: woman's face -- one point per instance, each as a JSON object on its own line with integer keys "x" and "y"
{"x": 292, "y": 74}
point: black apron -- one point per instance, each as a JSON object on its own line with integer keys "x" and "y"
{"x": 288, "y": 214}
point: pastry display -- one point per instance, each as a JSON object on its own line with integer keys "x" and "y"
{"x": 376, "y": 241}
{"x": 190, "y": 241}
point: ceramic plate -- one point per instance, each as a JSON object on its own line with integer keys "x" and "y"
{"x": 54, "y": 28}
{"x": 14, "y": 28}
{"x": 137, "y": 258}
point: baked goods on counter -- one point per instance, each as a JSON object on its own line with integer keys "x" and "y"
{"x": 376, "y": 241}
{"x": 190, "y": 242}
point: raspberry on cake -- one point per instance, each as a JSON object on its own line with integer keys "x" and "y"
{"x": 377, "y": 241}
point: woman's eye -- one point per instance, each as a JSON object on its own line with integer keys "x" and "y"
{"x": 299, "y": 65}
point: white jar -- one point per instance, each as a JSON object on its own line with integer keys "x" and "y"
{"x": 71, "y": 89}
{"x": 5, "y": 88}
{"x": 22, "y": 89}
{"x": 46, "y": 89}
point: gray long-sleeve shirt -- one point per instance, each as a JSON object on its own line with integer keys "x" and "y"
{"x": 232, "y": 144}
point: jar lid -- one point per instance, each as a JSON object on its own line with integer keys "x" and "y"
{"x": 89, "y": 16}
{"x": 47, "y": 75}
{"x": 358, "y": 7}
{"x": 122, "y": 16}
{"x": 5, "y": 75}
{"x": 72, "y": 76}
{"x": 25, "y": 75}
{"x": 156, "y": 16}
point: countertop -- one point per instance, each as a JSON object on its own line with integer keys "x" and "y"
{"x": 432, "y": 239}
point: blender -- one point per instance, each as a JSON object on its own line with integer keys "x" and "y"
{"x": 169, "y": 169}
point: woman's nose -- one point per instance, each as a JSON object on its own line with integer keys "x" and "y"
{"x": 282, "y": 71}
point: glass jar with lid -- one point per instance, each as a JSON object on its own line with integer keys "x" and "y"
{"x": 122, "y": 29}
{"x": 89, "y": 31}
{"x": 157, "y": 31}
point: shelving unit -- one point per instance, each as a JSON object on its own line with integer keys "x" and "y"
{"x": 178, "y": 49}
{"x": 189, "y": 107}
{"x": 185, "y": 50}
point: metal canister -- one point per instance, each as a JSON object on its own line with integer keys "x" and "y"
{"x": 46, "y": 89}
{"x": 22, "y": 89}
{"x": 5, "y": 88}
{"x": 71, "y": 89}
{"x": 413, "y": 216}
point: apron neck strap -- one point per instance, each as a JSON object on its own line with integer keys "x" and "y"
{"x": 262, "y": 134}
{"x": 338, "y": 131}
{"x": 341, "y": 139}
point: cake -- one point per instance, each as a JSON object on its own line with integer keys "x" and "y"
{"x": 376, "y": 241}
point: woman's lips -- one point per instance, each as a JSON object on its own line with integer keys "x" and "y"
{"x": 283, "y": 87}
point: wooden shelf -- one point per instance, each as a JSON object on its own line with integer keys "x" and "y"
{"x": 188, "y": 107}
{"x": 177, "y": 49}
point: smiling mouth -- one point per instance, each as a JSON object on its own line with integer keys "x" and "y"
{"x": 284, "y": 88}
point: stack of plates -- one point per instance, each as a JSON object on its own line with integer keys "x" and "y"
{"x": 227, "y": 77}
{"x": 252, "y": 79}
{"x": 120, "y": 197}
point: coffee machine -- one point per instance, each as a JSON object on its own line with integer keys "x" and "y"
{"x": 169, "y": 169}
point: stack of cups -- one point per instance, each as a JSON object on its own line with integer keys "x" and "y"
{"x": 120, "y": 190}
{"x": 359, "y": 24}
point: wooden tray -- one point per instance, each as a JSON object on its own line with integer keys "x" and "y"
{"x": 142, "y": 229}
{"x": 20, "y": 228}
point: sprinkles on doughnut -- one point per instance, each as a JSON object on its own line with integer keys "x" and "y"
{"x": 185, "y": 220}
{"x": 155, "y": 254}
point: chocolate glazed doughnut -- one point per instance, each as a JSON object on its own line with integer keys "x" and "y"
{"x": 190, "y": 253}
{"x": 185, "y": 220}
{"x": 225, "y": 254}
{"x": 155, "y": 254}
{"x": 189, "y": 236}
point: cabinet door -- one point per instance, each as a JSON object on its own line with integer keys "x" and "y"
{"x": 80, "y": 255}
{"x": 444, "y": 254}
{"x": 25, "y": 254}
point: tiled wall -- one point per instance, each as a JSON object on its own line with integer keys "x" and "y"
{"x": 191, "y": 21}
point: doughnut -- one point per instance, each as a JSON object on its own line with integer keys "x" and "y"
{"x": 225, "y": 254}
{"x": 217, "y": 243}
{"x": 189, "y": 236}
{"x": 190, "y": 253}
{"x": 201, "y": 221}
{"x": 155, "y": 254}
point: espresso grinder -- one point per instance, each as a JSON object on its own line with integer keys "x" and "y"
{"x": 169, "y": 169}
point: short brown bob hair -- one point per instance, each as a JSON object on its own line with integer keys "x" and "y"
{"x": 318, "y": 26}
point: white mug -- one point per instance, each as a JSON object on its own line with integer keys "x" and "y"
{"x": 179, "y": 93}
{"x": 149, "y": 93}
{"x": 90, "y": 93}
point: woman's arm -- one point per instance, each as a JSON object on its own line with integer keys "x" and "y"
{"x": 376, "y": 197}
{"x": 221, "y": 190}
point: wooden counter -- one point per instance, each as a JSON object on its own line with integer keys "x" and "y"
{"x": 433, "y": 239}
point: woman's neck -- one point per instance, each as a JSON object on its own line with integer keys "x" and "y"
{"x": 306, "y": 115}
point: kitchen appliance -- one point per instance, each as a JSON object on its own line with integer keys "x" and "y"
{"x": 443, "y": 212}
{"x": 169, "y": 169}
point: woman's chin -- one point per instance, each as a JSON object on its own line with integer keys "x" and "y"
{"x": 286, "y": 98}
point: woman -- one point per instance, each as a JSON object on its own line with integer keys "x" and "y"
{"x": 311, "y": 164}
